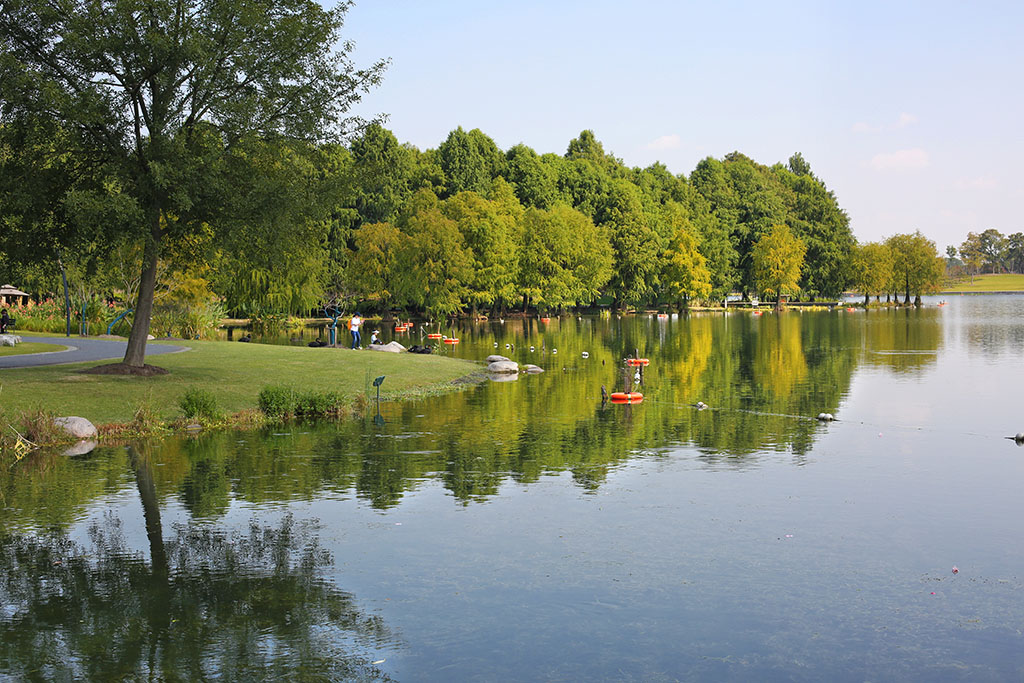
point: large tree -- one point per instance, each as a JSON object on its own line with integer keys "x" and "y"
{"x": 160, "y": 102}
{"x": 777, "y": 260}
{"x": 917, "y": 266}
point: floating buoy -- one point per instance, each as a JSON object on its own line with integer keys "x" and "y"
{"x": 554, "y": 350}
{"x": 435, "y": 335}
{"x": 627, "y": 397}
{"x": 637, "y": 362}
{"x": 495, "y": 344}
{"x": 508, "y": 346}
{"x": 700, "y": 405}
{"x": 826, "y": 417}
{"x": 451, "y": 340}
{"x": 1019, "y": 437}
{"x": 531, "y": 348}
{"x": 586, "y": 355}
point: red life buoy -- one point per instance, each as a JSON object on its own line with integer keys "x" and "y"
{"x": 434, "y": 335}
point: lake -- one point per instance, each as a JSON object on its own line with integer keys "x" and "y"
{"x": 526, "y": 530}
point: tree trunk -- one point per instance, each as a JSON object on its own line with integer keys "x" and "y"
{"x": 867, "y": 300}
{"x": 917, "y": 301}
{"x": 135, "y": 354}
{"x": 778, "y": 303}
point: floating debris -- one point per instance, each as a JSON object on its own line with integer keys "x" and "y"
{"x": 826, "y": 417}
{"x": 586, "y": 355}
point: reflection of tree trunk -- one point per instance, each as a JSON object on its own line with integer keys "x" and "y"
{"x": 867, "y": 300}
{"x": 151, "y": 513}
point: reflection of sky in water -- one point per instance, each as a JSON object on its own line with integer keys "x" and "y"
{"x": 512, "y": 533}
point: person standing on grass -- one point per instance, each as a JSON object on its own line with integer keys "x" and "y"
{"x": 5, "y": 320}
{"x": 353, "y": 326}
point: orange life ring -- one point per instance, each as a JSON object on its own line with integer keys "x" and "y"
{"x": 401, "y": 329}
{"x": 451, "y": 340}
{"x": 627, "y": 397}
{"x": 637, "y": 362}
{"x": 434, "y": 335}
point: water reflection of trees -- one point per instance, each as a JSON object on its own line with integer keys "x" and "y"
{"x": 208, "y": 604}
{"x": 906, "y": 341}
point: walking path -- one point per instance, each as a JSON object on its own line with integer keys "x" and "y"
{"x": 80, "y": 350}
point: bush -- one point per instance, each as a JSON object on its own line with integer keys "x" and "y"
{"x": 315, "y": 404}
{"x": 198, "y": 403}
{"x": 276, "y": 401}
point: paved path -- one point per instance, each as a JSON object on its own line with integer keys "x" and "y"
{"x": 80, "y": 349}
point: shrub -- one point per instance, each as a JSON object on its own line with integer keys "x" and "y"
{"x": 199, "y": 403}
{"x": 319, "y": 404}
{"x": 276, "y": 401}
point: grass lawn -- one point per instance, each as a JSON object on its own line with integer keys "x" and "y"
{"x": 989, "y": 283}
{"x": 29, "y": 347}
{"x": 233, "y": 373}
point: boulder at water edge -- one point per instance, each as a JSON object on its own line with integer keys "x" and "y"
{"x": 503, "y": 366}
{"x": 390, "y": 347}
{"x": 495, "y": 358}
{"x": 78, "y": 427}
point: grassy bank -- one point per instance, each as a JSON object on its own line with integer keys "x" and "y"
{"x": 1010, "y": 282}
{"x": 29, "y": 347}
{"x": 232, "y": 373}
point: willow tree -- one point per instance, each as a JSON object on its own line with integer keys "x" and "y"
{"x": 778, "y": 257}
{"x": 164, "y": 98}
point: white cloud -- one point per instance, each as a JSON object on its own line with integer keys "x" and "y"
{"x": 906, "y": 120}
{"x": 903, "y": 121}
{"x": 665, "y": 142}
{"x": 901, "y": 160}
{"x": 984, "y": 182}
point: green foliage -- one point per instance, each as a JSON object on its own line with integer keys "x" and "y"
{"x": 871, "y": 268}
{"x": 778, "y": 257}
{"x": 276, "y": 402}
{"x": 281, "y": 402}
{"x": 198, "y": 403}
{"x": 917, "y": 266}
{"x": 315, "y": 404}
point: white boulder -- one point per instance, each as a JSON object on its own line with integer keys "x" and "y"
{"x": 494, "y": 358}
{"x": 78, "y": 427}
{"x": 390, "y": 347}
{"x": 503, "y": 366}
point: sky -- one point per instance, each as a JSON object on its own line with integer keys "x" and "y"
{"x": 910, "y": 112}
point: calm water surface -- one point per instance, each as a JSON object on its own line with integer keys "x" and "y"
{"x": 524, "y": 531}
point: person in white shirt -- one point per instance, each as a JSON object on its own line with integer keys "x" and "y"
{"x": 353, "y": 326}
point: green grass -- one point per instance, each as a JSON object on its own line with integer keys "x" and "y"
{"x": 988, "y": 283}
{"x": 232, "y": 373}
{"x": 29, "y": 347}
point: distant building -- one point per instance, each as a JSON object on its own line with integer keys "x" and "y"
{"x": 12, "y": 296}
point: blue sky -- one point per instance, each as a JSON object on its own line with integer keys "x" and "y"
{"x": 911, "y": 112}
